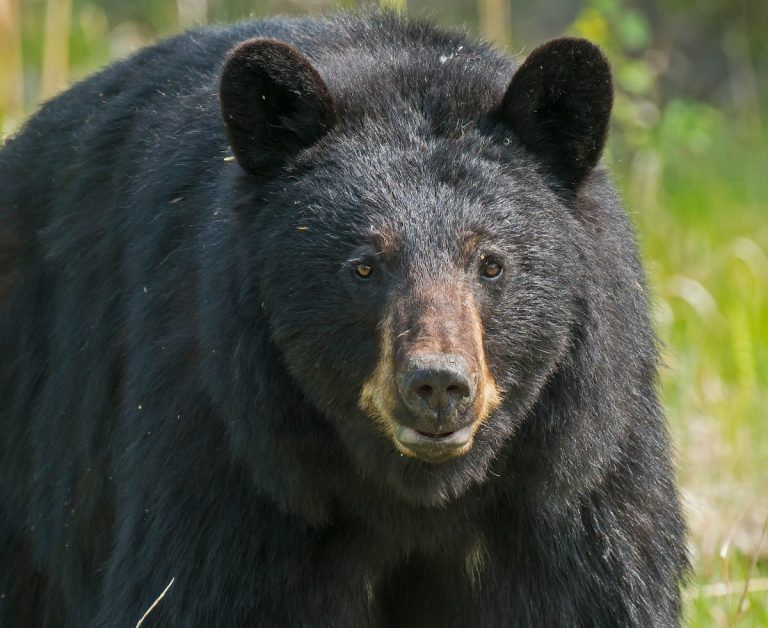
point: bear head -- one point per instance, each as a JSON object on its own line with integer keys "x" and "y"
{"x": 411, "y": 237}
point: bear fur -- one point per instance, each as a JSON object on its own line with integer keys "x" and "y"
{"x": 217, "y": 256}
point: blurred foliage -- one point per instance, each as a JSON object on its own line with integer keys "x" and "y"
{"x": 689, "y": 149}
{"x": 624, "y": 35}
{"x": 699, "y": 188}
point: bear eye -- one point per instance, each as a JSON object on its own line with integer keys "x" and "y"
{"x": 491, "y": 269}
{"x": 363, "y": 271}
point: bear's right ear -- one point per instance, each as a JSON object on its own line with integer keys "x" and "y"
{"x": 558, "y": 103}
{"x": 274, "y": 104}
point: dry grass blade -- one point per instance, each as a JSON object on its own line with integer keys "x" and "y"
{"x": 722, "y": 589}
{"x": 750, "y": 573}
{"x": 155, "y": 603}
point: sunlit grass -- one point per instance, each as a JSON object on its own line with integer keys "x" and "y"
{"x": 698, "y": 193}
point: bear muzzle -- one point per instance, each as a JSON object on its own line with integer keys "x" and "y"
{"x": 431, "y": 388}
{"x": 436, "y": 395}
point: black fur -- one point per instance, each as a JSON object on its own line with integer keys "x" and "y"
{"x": 183, "y": 343}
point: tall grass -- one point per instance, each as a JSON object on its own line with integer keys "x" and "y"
{"x": 11, "y": 74}
{"x": 699, "y": 192}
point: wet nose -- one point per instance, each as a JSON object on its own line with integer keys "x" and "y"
{"x": 437, "y": 386}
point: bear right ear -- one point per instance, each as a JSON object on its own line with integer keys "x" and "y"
{"x": 558, "y": 103}
{"x": 274, "y": 104}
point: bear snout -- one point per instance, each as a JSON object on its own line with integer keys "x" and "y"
{"x": 437, "y": 390}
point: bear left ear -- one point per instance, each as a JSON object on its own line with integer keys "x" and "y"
{"x": 274, "y": 104}
{"x": 558, "y": 103}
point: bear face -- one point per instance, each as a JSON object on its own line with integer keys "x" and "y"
{"x": 420, "y": 269}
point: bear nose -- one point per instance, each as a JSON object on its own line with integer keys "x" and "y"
{"x": 437, "y": 387}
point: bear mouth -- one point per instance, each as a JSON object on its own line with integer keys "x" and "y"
{"x": 434, "y": 436}
{"x": 434, "y": 447}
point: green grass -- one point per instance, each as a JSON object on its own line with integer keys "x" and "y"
{"x": 698, "y": 192}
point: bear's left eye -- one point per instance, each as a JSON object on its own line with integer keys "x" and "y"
{"x": 491, "y": 269}
{"x": 363, "y": 270}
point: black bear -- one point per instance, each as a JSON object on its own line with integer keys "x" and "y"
{"x": 329, "y": 322}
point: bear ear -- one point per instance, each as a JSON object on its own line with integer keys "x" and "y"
{"x": 558, "y": 104}
{"x": 274, "y": 104}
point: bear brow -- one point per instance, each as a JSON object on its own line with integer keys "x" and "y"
{"x": 385, "y": 242}
{"x": 469, "y": 242}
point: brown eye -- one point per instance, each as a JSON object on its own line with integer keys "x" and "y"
{"x": 491, "y": 269}
{"x": 364, "y": 271}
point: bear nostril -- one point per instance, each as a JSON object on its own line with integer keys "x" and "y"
{"x": 425, "y": 390}
{"x": 437, "y": 384}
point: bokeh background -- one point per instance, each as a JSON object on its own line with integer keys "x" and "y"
{"x": 689, "y": 153}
